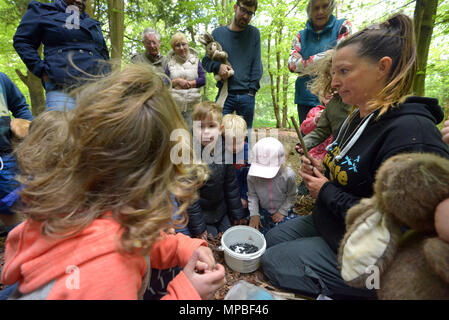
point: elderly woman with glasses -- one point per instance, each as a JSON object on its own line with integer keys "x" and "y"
{"x": 323, "y": 32}
{"x": 187, "y": 75}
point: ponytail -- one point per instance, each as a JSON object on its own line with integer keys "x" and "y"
{"x": 394, "y": 38}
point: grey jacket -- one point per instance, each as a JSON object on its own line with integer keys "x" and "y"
{"x": 160, "y": 62}
{"x": 277, "y": 194}
{"x": 332, "y": 117}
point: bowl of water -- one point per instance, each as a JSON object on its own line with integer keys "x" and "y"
{"x": 243, "y": 247}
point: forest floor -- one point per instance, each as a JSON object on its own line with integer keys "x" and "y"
{"x": 303, "y": 206}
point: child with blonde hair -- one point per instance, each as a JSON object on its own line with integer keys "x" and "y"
{"x": 234, "y": 131}
{"x": 219, "y": 202}
{"x": 325, "y": 123}
{"x": 271, "y": 186}
{"x": 106, "y": 202}
{"x": 12, "y": 101}
{"x": 46, "y": 142}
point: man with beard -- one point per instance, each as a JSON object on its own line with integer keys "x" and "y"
{"x": 152, "y": 43}
{"x": 241, "y": 41}
{"x": 74, "y": 47}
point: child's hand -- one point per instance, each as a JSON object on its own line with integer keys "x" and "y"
{"x": 202, "y": 235}
{"x": 254, "y": 222}
{"x": 277, "y": 217}
{"x": 317, "y": 117}
{"x": 244, "y": 203}
{"x": 209, "y": 281}
{"x": 206, "y": 260}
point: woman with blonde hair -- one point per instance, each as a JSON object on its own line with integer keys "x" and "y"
{"x": 105, "y": 204}
{"x": 187, "y": 75}
{"x": 372, "y": 70}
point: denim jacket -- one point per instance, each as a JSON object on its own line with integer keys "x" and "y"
{"x": 55, "y": 26}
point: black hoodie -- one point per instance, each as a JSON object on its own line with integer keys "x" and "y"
{"x": 409, "y": 127}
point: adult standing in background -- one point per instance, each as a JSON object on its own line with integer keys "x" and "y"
{"x": 323, "y": 31}
{"x": 241, "y": 41}
{"x": 74, "y": 47}
{"x": 187, "y": 75}
{"x": 151, "y": 40}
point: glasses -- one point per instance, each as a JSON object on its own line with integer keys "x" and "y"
{"x": 245, "y": 11}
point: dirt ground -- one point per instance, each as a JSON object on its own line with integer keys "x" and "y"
{"x": 303, "y": 206}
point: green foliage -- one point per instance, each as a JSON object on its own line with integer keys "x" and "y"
{"x": 277, "y": 20}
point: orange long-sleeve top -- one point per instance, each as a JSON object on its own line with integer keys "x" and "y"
{"x": 88, "y": 265}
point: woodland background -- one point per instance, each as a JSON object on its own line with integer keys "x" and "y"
{"x": 278, "y": 21}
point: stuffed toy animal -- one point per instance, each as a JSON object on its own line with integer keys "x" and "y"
{"x": 215, "y": 52}
{"x": 19, "y": 128}
{"x": 398, "y": 240}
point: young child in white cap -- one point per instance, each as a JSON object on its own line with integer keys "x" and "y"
{"x": 271, "y": 186}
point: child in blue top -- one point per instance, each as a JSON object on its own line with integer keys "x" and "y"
{"x": 11, "y": 100}
{"x": 235, "y": 149}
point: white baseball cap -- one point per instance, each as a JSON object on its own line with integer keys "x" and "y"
{"x": 267, "y": 157}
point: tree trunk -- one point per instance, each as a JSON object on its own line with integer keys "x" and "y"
{"x": 424, "y": 20}
{"x": 36, "y": 91}
{"x": 273, "y": 93}
{"x": 116, "y": 10}
{"x": 278, "y": 76}
{"x": 285, "y": 98}
{"x": 89, "y": 9}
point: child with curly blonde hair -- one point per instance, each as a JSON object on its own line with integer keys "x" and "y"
{"x": 105, "y": 203}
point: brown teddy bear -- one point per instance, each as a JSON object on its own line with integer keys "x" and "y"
{"x": 19, "y": 129}
{"x": 215, "y": 52}
{"x": 398, "y": 240}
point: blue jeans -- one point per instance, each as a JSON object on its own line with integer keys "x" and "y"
{"x": 56, "y": 99}
{"x": 8, "y": 184}
{"x": 6, "y": 292}
{"x": 243, "y": 104}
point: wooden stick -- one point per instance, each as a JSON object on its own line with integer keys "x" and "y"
{"x": 301, "y": 140}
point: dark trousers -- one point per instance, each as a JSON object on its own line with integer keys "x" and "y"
{"x": 221, "y": 226}
{"x": 299, "y": 260}
{"x": 268, "y": 223}
{"x": 243, "y": 104}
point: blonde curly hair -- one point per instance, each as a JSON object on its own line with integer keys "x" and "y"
{"x": 119, "y": 162}
{"x": 320, "y": 72}
{"x": 46, "y": 141}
